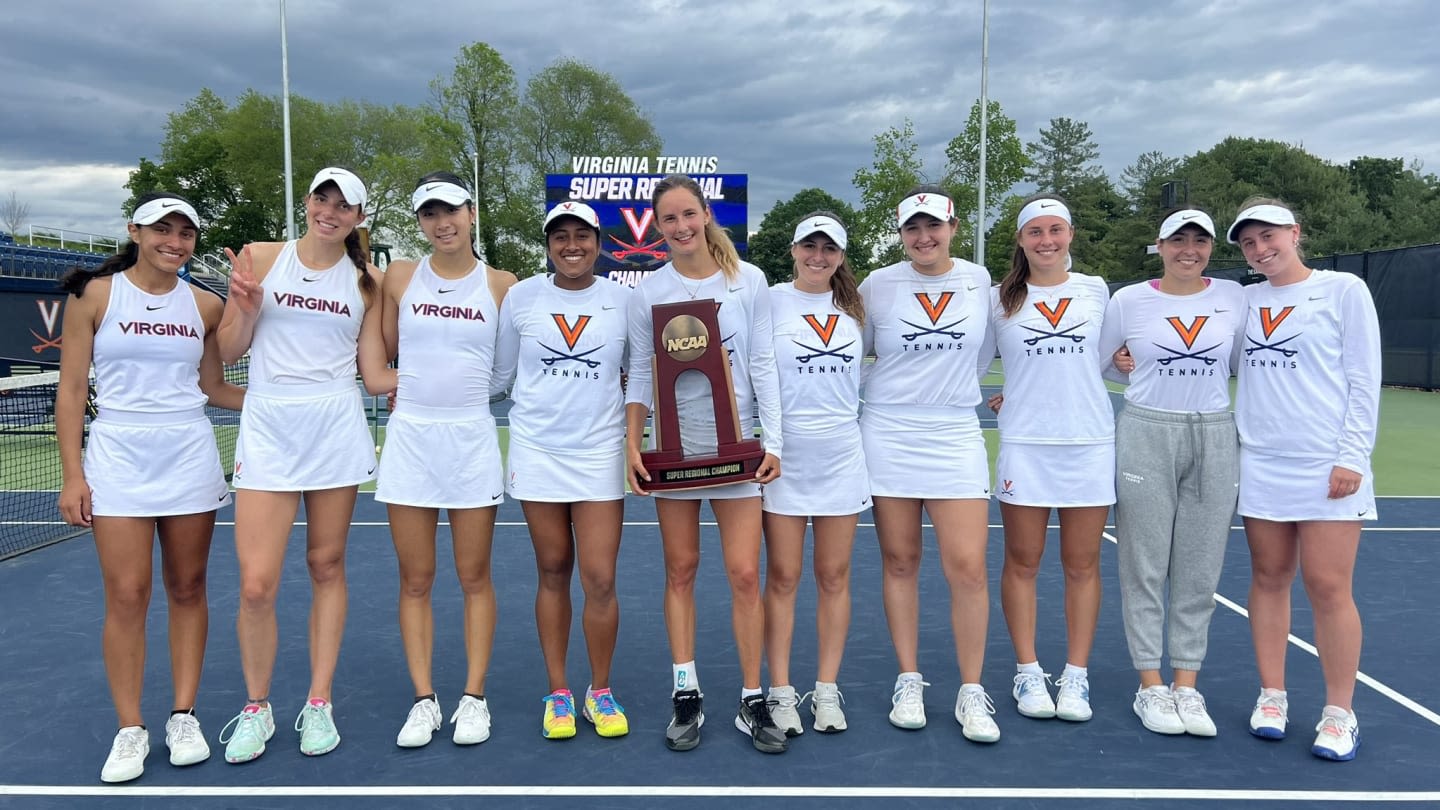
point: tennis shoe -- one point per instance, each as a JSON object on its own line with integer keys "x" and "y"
{"x": 471, "y": 720}
{"x": 1155, "y": 706}
{"x": 825, "y": 707}
{"x": 1190, "y": 705}
{"x": 185, "y": 740}
{"x": 908, "y": 702}
{"x": 754, "y": 719}
{"x": 973, "y": 711}
{"x": 421, "y": 724}
{"x": 605, "y": 713}
{"x": 784, "y": 707}
{"x": 1338, "y": 735}
{"x": 1032, "y": 695}
{"x": 1072, "y": 701}
{"x": 1268, "y": 719}
{"x": 127, "y": 755}
{"x": 249, "y": 731}
{"x": 683, "y": 733}
{"x": 316, "y": 724}
{"x": 559, "y": 720}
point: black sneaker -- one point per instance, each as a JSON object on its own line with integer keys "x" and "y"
{"x": 683, "y": 732}
{"x": 754, "y": 719}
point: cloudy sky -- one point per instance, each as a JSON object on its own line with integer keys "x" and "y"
{"x": 789, "y": 92}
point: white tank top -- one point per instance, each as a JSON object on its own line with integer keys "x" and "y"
{"x": 147, "y": 350}
{"x": 447, "y": 339}
{"x": 309, "y": 323}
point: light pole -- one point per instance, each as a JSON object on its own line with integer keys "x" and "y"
{"x": 984, "y": 118}
{"x": 475, "y": 192}
{"x": 285, "y": 119}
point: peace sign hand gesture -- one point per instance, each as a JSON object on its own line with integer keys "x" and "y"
{"x": 245, "y": 291}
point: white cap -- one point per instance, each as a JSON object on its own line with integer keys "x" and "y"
{"x": 351, "y": 187}
{"x": 579, "y": 210}
{"x": 936, "y": 205}
{"x": 161, "y": 207}
{"x": 1268, "y": 214}
{"x": 445, "y": 192}
{"x": 821, "y": 224}
{"x": 1189, "y": 216}
{"x": 1043, "y": 207}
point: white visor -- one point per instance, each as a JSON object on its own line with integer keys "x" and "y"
{"x": 157, "y": 209}
{"x": 579, "y": 210}
{"x": 448, "y": 193}
{"x": 1268, "y": 214}
{"x": 819, "y": 224}
{"x": 1189, "y": 216}
{"x": 936, "y": 205}
{"x": 351, "y": 187}
{"x": 1043, "y": 207}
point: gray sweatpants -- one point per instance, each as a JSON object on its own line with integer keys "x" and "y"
{"x": 1176, "y": 480}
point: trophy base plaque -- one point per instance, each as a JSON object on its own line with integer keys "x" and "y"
{"x": 732, "y": 464}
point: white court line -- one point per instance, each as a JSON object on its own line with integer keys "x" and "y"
{"x": 738, "y": 791}
{"x": 1310, "y": 648}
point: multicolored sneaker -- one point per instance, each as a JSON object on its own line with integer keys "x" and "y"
{"x": 1338, "y": 735}
{"x": 249, "y": 731}
{"x": 1271, "y": 712}
{"x": 559, "y": 722}
{"x": 606, "y": 713}
{"x": 316, "y": 724}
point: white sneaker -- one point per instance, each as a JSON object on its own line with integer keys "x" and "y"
{"x": 1032, "y": 696}
{"x": 421, "y": 724}
{"x": 127, "y": 755}
{"x": 1269, "y": 718}
{"x": 825, "y": 706}
{"x": 783, "y": 710}
{"x": 1155, "y": 706}
{"x": 909, "y": 702}
{"x": 1072, "y": 702}
{"x": 1338, "y": 735}
{"x": 973, "y": 711}
{"x": 185, "y": 740}
{"x": 1190, "y": 705}
{"x": 471, "y": 721}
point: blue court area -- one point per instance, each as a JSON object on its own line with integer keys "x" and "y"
{"x": 58, "y": 721}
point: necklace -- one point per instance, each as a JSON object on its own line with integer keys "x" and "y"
{"x": 688, "y": 290}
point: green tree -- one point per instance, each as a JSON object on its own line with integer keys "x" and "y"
{"x": 572, "y": 109}
{"x": 1005, "y": 160}
{"x": 1065, "y": 156}
{"x": 895, "y": 169}
{"x": 1142, "y": 179}
{"x": 770, "y": 245}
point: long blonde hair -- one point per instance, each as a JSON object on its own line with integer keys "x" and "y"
{"x": 717, "y": 241}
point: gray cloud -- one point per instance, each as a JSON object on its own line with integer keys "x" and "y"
{"x": 791, "y": 94}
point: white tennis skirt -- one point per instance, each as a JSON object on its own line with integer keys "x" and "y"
{"x": 1056, "y": 475}
{"x": 935, "y": 453}
{"x": 822, "y": 474}
{"x": 442, "y": 458}
{"x": 1286, "y": 489}
{"x": 154, "y": 465}
{"x": 295, "y": 438}
{"x": 564, "y": 476}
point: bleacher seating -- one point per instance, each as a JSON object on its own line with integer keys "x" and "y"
{"x": 39, "y": 262}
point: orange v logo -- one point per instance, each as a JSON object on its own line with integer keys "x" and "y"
{"x": 1188, "y": 333}
{"x": 934, "y": 309}
{"x": 828, "y": 330}
{"x": 1269, "y": 323}
{"x": 571, "y": 334}
{"x": 1053, "y": 315}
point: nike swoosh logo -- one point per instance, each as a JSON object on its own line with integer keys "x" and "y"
{"x": 432, "y": 186}
{"x": 1187, "y": 219}
{"x": 152, "y": 309}
{"x": 497, "y": 495}
{"x": 169, "y": 204}
{"x": 1317, "y": 297}
{"x": 736, "y": 289}
{"x": 971, "y": 289}
{"x": 1222, "y": 310}
{"x": 607, "y": 309}
{"x": 307, "y": 278}
{"x": 370, "y": 471}
{"x": 442, "y": 292}
{"x": 1048, "y": 205}
{"x": 223, "y": 494}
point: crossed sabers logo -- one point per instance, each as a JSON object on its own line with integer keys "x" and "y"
{"x": 1188, "y": 333}
{"x": 50, "y": 314}
{"x": 1268, "y": 324}
{"x": 638, "y": 228}
{"x": 825, "y": 333}
{"x": 1007, "y": 487}
{"x": 934, "y": 309}
{"x": 572, "y": 336}
{"x": 1053, "y": 316}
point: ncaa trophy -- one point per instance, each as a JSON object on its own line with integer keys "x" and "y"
{"x": 685, "y": 340}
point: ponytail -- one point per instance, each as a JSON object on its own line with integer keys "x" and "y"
{"x": 356, "y": 252}
{"x": 1013, "y": 287}
{"x": 75, "y": 279}
{"x": 717, "y": 241}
